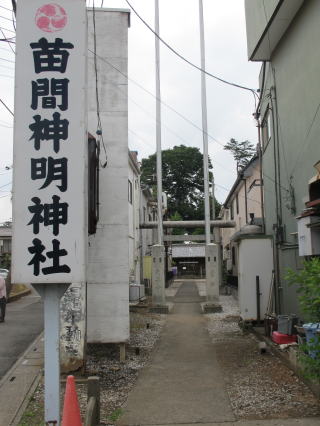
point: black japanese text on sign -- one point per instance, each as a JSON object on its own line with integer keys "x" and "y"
{"x": 50, "y": 143}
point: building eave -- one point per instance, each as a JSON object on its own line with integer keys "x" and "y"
{"x": 239, "y": 180}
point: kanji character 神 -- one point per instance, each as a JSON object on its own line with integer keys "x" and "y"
{"x": 45, "y": 130}
{"x": 54, "y": 214}
{"x": 43, "y": 87}
{"x": 50, "y": 56}
{"x": 50, "y": 169}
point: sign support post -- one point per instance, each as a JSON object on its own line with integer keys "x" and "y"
{"x": 49, "y": 244}
{"x": 51, "y": 295}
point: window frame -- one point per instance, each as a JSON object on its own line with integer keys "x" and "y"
{"x": 130, "y": 191}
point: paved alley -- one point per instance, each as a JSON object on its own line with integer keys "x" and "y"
{"x": 177, "y": 387}
{"x": 24, "y": 322}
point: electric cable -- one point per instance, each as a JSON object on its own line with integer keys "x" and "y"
{"x": 8, "y": 40}
{"x": 6, "y": 29}
{"x": 7, "y": 108}
{"x": 186, "y": 60}
{"x": 99, "y": 126}
{"x": 7, "y": 60}
{"x": 154, "y": 96}
{"x": 4, "y": 17}
{"x": 2, "y": 7}
{"x": 14, "y": 7}
{"x": 168, "y": 106}
{"x": 13, "y": 20}
{"x": 5, "y": 49}
{"x": 9, "y": 183}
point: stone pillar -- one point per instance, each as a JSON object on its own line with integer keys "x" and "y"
{"x": 217, "y": 239}
{"x": 158, "y": 281}
{"x": 212, "y": 274}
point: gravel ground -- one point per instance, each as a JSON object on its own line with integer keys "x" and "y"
{"x": 260, "y": 386}
{"x": 116, "y": 379}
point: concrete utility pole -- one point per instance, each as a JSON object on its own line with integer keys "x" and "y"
{"x": 158, "y": 279}
{"x": 212, "y": 274}
{"x": 204, "y": 128}
{"x": 158, "y": 126}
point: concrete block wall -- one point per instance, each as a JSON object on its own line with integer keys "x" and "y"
{"x": 108, "y": 266}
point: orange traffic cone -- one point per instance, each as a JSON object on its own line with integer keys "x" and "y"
{"x": 71, "y": 410}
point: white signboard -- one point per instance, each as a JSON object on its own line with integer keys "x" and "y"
{"x": 50, "y": 143}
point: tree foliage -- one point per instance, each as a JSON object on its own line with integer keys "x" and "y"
{"x": 242, "y": 152}
{"x": 182, "y": 180}
{"x": 307, "y": 281}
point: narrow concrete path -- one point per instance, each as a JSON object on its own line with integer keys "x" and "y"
{"x": 183, "y": 382}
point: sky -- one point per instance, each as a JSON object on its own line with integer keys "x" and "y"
{"x": 229, "y": 109}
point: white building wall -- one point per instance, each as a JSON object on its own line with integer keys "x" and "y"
{"x": 255, "y": 259}
{"x": 134, "y": 230}
{"x": 108, "y": 266}
{"x": 246, "y": 192}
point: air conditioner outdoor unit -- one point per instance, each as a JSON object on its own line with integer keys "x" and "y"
{"x": 136, "y": 292}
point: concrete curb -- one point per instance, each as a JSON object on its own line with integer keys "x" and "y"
{"x": 20, "y": 382}
{"x": 18, "y": 295}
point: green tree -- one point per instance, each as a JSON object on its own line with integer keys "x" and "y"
{"x": 242, "y": 152}
{"x": 308, "y": 288}
{"x": 176, "y": 217}
{"x": 182, "y": 180}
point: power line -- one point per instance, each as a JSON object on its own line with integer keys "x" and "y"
{"x": 187, "y": 61}
{"x": 6, "y": 29}
{"x": 151, "y": 94}
{"x": 2, "y": 7}
{"x": 8, "y": 40}
{"x": 7, "y": 108}
{"x": 99, "y": 126}
{"x": 7, "y": 19}
{"x": 7, "y": 60}
{"x": 165, "y": 104}
{"x": 5, "y": 50}
{"x": 9, "y": 183}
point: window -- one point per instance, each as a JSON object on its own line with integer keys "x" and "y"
{"x": 231, "y": 211}
{"x": 237, "y": 203}
{"x": 93, "y": 184}
{"x": 130, "y": 191}
{"x": 233, "y": 254}
{"x": 266, "y": 128}
{"x": 144, "y": 214}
